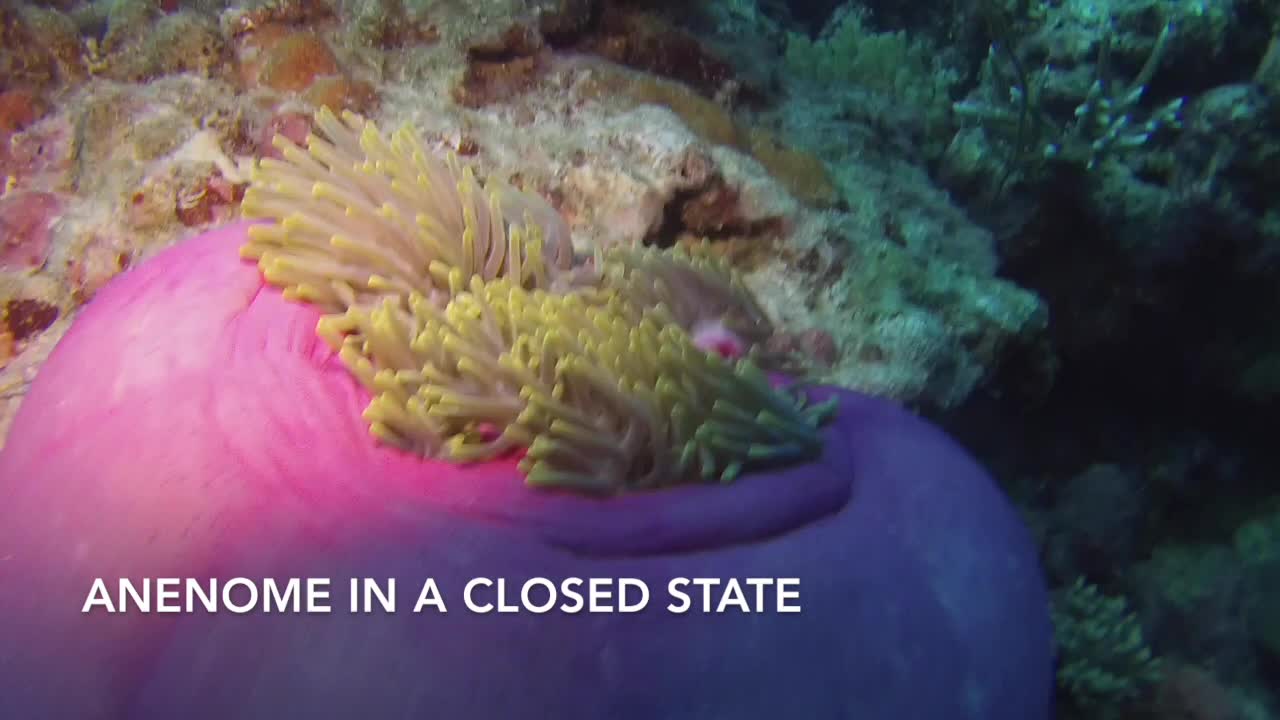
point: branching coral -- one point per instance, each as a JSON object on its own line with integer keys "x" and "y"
{"x": 1106, "y": 122}
{"x": 1105, "y": 657}
{"x": 461, "y": 307}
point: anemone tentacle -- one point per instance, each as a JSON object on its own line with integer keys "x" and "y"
{"x": 459, "y": 305}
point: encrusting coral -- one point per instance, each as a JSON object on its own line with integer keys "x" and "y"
{"x": 462, "y": 308}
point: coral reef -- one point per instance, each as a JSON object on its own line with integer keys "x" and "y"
{"x": 134, "y": 163}
{"x": 182, "y": 42}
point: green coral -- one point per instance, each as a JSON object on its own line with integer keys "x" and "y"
{"x": 1187, "y": 575}
{"x": 1105, "y": 659}
{"x": 1257, "y": 544}
{"x": 847, "y": 52}
{"x": 1258, "y": 541}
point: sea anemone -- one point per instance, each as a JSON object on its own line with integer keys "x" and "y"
{"x": 461, "y": 307}
{"x": 193, "y": 424}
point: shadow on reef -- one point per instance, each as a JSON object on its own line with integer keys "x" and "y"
{"x": 1147, "y": 343}
{"x": 1157, "y": 424}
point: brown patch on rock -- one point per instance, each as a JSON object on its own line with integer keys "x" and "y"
{"x": 716, "y": 210}
{"x": 301, "y": 62}
{"x": 639, "y": 40}
{"x": 23, "y": 317}
{"x": 18, "y": 109}
{"x": 295, "y": 62}
{"x": 713, "y": 211}
{"x": 254, "y": 49}
{"x": 501, "y": 66}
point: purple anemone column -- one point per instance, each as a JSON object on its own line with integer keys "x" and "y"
{"x": 192, "y": 425}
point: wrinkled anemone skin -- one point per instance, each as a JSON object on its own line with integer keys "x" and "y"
{"x": 191, "y": 424}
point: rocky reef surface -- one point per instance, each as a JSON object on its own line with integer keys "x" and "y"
{"x": 129, "y": 125}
